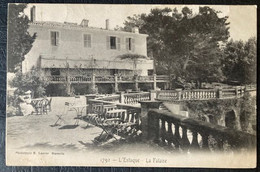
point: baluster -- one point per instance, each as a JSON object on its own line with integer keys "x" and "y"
{"x": 133, "y": 117}
{"x": 205, "y": 143}
{"x": 127, "y": 116}
{"x": 163, "y": 131}
{"x": 194, "y": 142}
{"x": 189, "y": 95}
{"x": 138, "y": 120}
{"x": 185, "y": 143}
{"x": 177, "y": 138}
{"x": 169, "y": 134}
{"x": 220, "y": 144}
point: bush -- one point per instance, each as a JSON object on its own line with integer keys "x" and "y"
{"x": 30, "y": 81}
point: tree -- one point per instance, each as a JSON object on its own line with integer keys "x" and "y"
{"x": 32, "y": 81}
{"x": 184, "y": 44}
{"x": 239, "y": 62}
{"x": 19, "y": 39}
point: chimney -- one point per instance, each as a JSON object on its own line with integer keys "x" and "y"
{"x": 84, "y": 22}
{"x": 107, "y": 24}
{"x": 135, "y": 30}
{"x": 33, "y": 16}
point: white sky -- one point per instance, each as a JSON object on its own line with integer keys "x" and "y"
{"x": 242, "y": 18}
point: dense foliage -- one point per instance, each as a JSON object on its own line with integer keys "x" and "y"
{"x": 218, "y": 107}
{"x": 19, "y": 39}
{"x": 184, "y": 44}
{"x": 239, "y": 62}
{"x": 32, "y": 81}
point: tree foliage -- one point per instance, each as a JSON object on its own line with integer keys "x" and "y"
{"x": 239, "y": 63}
{"x": 182, "y": 43}
{"x": 19, "y": 39}
{"x": 32, "y": 81}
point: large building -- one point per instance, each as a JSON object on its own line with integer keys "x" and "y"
{"x": 76, "y": 53}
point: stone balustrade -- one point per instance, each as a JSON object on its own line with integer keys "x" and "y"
{"x": 199, "y": 94}
{"x": 177, "y": 132}
{"x": 174, "y": 131}
{"x": 134, "y": 98}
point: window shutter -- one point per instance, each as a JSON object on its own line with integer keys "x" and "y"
{"x": 89, "y": 41}
{"x": 108, "y": 42}
{"x": 57, "y": 38}
{"x": 133, "y": 44}
{"x": 118, "y": 43}
{"x": 127, "y": 44}
{"x": 52, "y": 38}
{"x": 84, "y": 40}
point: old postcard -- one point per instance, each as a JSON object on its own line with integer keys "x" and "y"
{"x": 131, "y": 85}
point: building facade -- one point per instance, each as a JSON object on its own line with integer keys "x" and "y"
{"x": 77, "y": 51}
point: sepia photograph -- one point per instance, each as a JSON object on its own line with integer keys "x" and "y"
{"x": 105, "y": 85}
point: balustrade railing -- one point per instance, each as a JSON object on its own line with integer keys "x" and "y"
{"x": 200, "y": 94}
{"x": 110, "y": 78}
{"x": 135, "y": 98}
{"x": 80, "y": 78}
{"x": 145, "y": 78}
{"x": 176, "y": 132}
{"x": 56, "y": 78}
{"x": 105, "y": 78}
{"x": 125, "y": 78}
{"x": 162, "y": 78}
{"x": 111, "y": 98}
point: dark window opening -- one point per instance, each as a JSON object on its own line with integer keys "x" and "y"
{"x": 129, "y": 44}
{"x": 113, "y": 71}
{"x": 55, "y": 71}
{"x": 54, "y": 38}
{"x": 112, "y": 42}
{"x": 150, "y": 72}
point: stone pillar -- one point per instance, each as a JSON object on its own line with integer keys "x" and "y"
{"x": 68, "y": 85}
{"x": 154, "y": 82}
{"x": 145, "y": 107}
{"x": 152, "y": 95}
{"x": 179, "y": 93}
{"x": 93, "y": 81}
{"x": 121, "y": 100}
{"x": 88, "y": 97}
{"x": 220, "y": 93}
{"x": 116, "y": 83}
{"x": 237, "y": 90}
{"x": 136, "y": 83}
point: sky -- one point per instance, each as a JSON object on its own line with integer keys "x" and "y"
{"x": 242, "y": 18}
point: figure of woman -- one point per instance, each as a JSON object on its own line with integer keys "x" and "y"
{"x": 25, "y": 104}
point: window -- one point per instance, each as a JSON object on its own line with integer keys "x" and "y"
{"x": 150, "y": 72}
{"x": 129, "y": 42}
{"x": 55, "y": 71}
{"x": 113, "y": 42}
{"x": 54, "y": 38}
{"x": 87, "y": 40}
